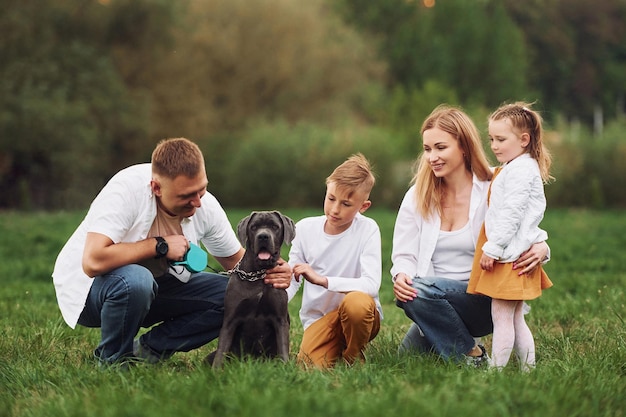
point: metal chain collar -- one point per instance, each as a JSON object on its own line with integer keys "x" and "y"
{"x": 248, "y": 276}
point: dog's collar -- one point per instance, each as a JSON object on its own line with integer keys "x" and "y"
{"x": 248, "y": 276}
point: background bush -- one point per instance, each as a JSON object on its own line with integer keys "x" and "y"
{"x": 589, "y": 170}
{"x": 90, "y": 86}
{"x": 283, "y": 165}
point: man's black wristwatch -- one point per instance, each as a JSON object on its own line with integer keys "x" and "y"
{"x": 161, "y": 247}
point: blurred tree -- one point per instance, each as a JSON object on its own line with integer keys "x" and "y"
{"x": 89, "y": 86}
{"x": 65, "y": 117}
{"x": 473, "y": 48}
{"x": 578, "y": 59}
{"x": 239, "y": 60}
{"x": 291, "y": 172}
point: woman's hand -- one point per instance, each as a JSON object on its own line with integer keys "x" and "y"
{"x": 402, "y": 288}
{"x": 532, "y": 258}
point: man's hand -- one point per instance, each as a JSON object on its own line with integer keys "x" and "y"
{"x": 178, "y": 245}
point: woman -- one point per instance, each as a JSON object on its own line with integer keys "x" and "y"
{"x": 435, "y": 238}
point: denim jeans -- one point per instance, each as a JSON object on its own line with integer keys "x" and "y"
{"x": 446, "y": 318}
{"x": 186, "y": 315}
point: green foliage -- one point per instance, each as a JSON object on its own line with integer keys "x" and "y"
{"x": 453, "y": 44}
{"x": 589, "y": 170}
{"x": 64, "y": 110}
{"x": 407, "y": 108}
{"x": 47, "y": 369}
{"x": 236, "y": 60}
{"x": 88, "y": 87}
{"x": 576, "y": 59}
{"x": 283, "y": 165}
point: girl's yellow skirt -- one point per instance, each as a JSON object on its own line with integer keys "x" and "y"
{"x": 503, "y": 282}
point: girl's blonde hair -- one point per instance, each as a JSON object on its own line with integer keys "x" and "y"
{"x": 177, "y": 156}
{"x": 526, "y": 120}
{"x": 430, "y": 189}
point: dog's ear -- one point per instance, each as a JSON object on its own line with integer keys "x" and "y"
{"x": 242, "y": 229}
{"x": 289, "y": 228}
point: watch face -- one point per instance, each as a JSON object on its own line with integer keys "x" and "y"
{"x": 162, "y": 248}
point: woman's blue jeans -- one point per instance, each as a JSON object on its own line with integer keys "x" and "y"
{"x": 449, "y": 318}
{"x": 128, "y": 298}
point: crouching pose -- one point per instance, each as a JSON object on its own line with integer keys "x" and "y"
{"x": 338, "y": 256}
{"x": 117, "y": 271}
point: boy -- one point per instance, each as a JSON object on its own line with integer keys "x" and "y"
{"x": 339, "y": 257}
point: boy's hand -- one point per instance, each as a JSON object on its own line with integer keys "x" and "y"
{"x": 486, "y": 263}
{"x": 309, "y": 274}
{"x": 279, "y": 276}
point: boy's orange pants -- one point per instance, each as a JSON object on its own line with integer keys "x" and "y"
{"x": 342, "y": 333}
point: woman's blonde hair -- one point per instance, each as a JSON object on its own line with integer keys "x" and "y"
{"x": 430, "y": 189}
{"x": 177, "y": 156}
{"x": 526, "y": 120}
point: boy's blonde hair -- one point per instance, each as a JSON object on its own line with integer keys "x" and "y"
{"x": 177, "y": 156}
{"x": 526, "y": 120}
{"x": 354, "y": 174}
{"x": 430, "y": 189}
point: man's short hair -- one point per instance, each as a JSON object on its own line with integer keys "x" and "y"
{"x": 177, "y": 156}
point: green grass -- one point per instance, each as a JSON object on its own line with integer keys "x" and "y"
{"x": 46, "y": 369}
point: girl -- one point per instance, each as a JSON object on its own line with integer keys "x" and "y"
{"x": 516, "y": 206}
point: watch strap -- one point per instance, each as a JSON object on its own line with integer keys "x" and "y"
{"x": 160, "y": 242}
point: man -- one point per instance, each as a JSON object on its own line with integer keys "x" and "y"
{"x": 116, "y": 271}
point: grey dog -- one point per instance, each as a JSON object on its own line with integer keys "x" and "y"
{"x": 256, "y": 318}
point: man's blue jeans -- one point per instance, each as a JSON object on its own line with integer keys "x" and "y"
{"x": 449, "y": 317}
{"x": 128, "y": 298}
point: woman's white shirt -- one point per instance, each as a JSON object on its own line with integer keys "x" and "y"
{"x": 415, "y": 238}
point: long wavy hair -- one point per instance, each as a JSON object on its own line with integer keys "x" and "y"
{"x": 430, "y": 189}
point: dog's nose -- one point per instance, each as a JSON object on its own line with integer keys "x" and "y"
{"x": 263, "y": 236}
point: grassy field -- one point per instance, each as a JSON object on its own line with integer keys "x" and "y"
{"x": 46, "y": 369}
